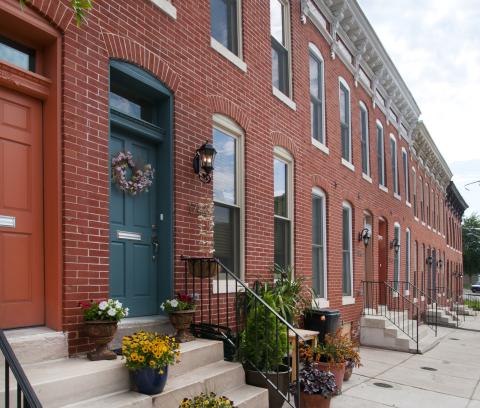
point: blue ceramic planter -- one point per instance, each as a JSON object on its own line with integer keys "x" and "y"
{"x": 149, "y": 381}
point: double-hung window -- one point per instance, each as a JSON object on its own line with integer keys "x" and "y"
{"x": 283, "y": 203}
{"x": 415, "y": 203}
{"x": 280, "y": 39}
{"x": 317, "y": 108}
{"x": 406, "y": 174}
{"x": 393, "y": 151}
{"x": 319, "y": 259}
{"x": 345, "y": 121}
{"x": 396, "y": 257}
{"x": 225, "y": 24}
{"x": 407, "y": 259}
{"x": 422, "y": 200}
{"x": 381, "y": 155}
{"x": 347, "y": 258}
{"x": 434, "y": 211}
{"x": 228, "y": 194}
{"x": 427, "y": 189}
{"x": 364, "y": 139}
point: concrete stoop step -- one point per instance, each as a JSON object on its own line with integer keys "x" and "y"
{"x": 77, "y": 382}
{"x": 378, "y": 331}
{"x": 444, "y": 317}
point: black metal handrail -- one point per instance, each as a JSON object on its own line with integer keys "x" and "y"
{"x": 428, "y": 306}
{"x": 25, "y": 392}
{"x": 223, "y": 315}
{"x": 472, "y": 301}
{"x": 380, "y": 298}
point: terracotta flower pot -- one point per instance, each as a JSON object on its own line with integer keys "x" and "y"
{"x": 348, "y": 373}
{"x": 101, "y": 332}
{"x": 314, "y": 401}
{"x": 202, "y": 269}
{"x": 182, "y": 320}
{"x": 338, "y": 370}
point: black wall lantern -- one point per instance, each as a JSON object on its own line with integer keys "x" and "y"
{"x": 396, "y": 245}
{"x": 440, "y": 263}
{"x": 429, "y": 260}
{"x": 365, "y": 236}
{"x": 203, "y": 161}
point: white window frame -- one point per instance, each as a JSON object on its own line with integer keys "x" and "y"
{"x": 348, "y": 299}
{"x": 231, "y": 128}
{"x": 408, "y": 255}
{"x": 368, "y": 174}
{"x": 382, "y": 184}
{"x": 415, "y": 194}
{"x": 349, "y": 161}
{"x": 422, "y": 200}
{"x": 397, "y": 261}
{"x": 323, "y": 301}
{"x": 287, "y": 98}
{"x": 406, "y": 176}
{"x": 427, "y": 206}
{"x": 283, "y": 155}
{"x": 235, "y": 59}
{"x": 394, "y": 165}
{"x": 167, "y": 7}
{"x": 322, "y": 145}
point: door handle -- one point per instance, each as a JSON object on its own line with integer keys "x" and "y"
{"x": 155, "y": 245}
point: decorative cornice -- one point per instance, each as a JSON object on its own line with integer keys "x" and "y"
{"x": 426, "y": 150}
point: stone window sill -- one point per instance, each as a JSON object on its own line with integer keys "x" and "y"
{"x": 284, "y": 98}
{"x": 320, "y": 146}
{"x": 348, "y": 165}
{"x": 226, "y": 53}
{"x": 348, "y": 300}
{"x": 166, "y": 7}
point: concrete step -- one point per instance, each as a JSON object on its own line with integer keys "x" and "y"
{"x": 36, "y": 344}
{"x": 126, "y": 327}
{"x": 247, "y": 396}
{"x": 123, "y": 399}
{"x": 70, "y": 381}
{"x": 217, "y": 377}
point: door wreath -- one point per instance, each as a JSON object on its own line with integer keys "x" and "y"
{"x": 140, "y": 180}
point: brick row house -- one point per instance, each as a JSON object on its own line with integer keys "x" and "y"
{"x": 319, "y": 149}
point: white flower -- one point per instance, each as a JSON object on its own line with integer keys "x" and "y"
{"x": 118, "y": 304}
{"x": 125, "y": 312}
{"x": 174, "y": 303}
{"x": 111, "y": 312}
{"x": 162, "y": 306}
{"x": 103, "y": 305}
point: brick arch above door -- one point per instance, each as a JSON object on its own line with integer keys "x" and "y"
{"x": 125, "y": 49}
{"x": 221, "y": 105}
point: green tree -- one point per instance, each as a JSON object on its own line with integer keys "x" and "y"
{"x": 80, "y": 8}
{"x": 471, "y": 244}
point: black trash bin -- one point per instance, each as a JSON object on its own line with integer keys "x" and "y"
{"x": 325, "y": 321}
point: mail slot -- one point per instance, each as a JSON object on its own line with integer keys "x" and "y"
{"x": 132, "y": 236}
{"x": 7, "y": 222}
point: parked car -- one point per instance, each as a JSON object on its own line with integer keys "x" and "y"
{"x": 476, "y": 287}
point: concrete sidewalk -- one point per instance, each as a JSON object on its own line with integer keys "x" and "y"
{"x": 447, "y": 376}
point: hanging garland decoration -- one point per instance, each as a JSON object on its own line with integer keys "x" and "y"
{"x": 141, "y": 179}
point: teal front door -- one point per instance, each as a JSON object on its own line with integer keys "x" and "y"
{"x": 134, "y": 231}
{"x": 141, "y": 225}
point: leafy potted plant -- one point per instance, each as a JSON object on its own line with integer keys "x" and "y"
{"x": 148, "y": 356}
{"x": 317, "y": 387}
{"x": 331, "y": 355}
{"x": 204, "y": 400}
{"x": 263, "y": 348}
{"x": 352, "y": 357}
{"x": 181, "y": 310}
{"x": 101, "y": 323}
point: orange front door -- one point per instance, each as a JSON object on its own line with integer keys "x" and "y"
{"x": 21, "y": 211}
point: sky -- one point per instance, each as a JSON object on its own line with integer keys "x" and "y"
{"x": 435, "y": 45}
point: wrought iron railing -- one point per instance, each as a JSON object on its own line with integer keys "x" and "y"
{"x": 427, "y": 306}
{"x": 25, "y": 395}
{"x": 224, "y": 303}
{"x": 472, "y": 301}
{"x": 381, "y": 298}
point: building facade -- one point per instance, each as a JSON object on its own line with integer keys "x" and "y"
{"x": 318, "y": 141}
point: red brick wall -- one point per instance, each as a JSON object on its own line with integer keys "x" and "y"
{"x": 179, "y": 54}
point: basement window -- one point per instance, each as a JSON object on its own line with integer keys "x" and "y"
{"x": 17, "y": 54}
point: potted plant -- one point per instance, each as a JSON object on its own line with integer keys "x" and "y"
{"x": 317, "y": 387}
{"x": 330, "y": 356}
{"x": 148, "y": 356}
{"x": 352, "y": 357}
{"x": 181, "y": 310}
{"x": 204, "y": 400}
{"x": 263, "y": 350}
{"x": 101, "y": 323}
